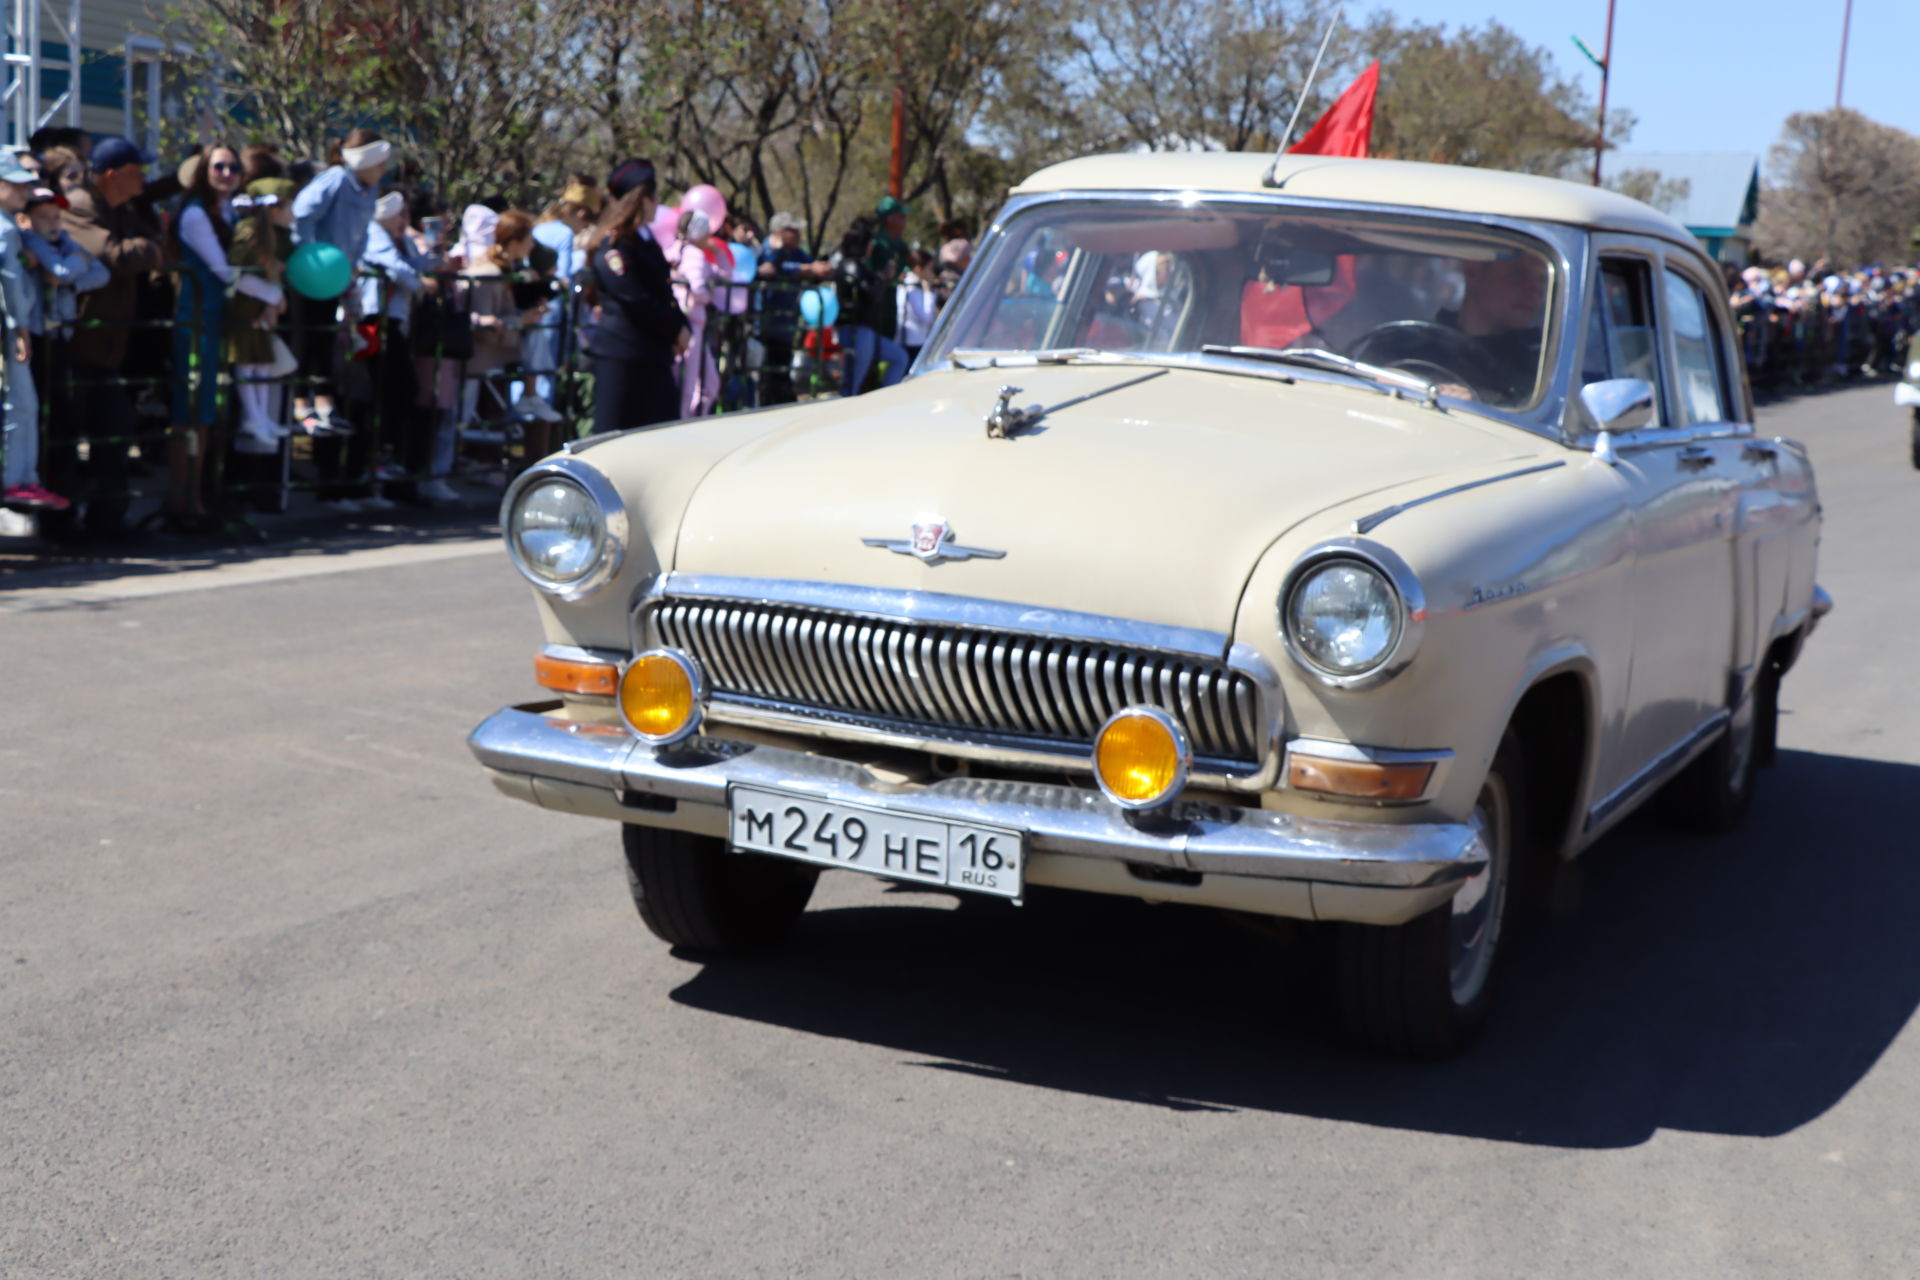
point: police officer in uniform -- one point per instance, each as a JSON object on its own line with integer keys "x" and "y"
{"x": 641, "y": 329}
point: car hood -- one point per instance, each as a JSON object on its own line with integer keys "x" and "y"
{"x": 1150, "y": 501}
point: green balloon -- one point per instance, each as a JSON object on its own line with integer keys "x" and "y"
{"x": 319, "y": 270}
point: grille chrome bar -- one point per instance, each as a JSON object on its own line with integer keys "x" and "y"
{"x": 953, "y": 680}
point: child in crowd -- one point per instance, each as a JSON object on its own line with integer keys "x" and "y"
{"x": 919, "y": 301}
{"x": 693, "y": 275}
{"x": 499, "y": 320}
{"x": 20, "y": 485}
{"x": 66, "y": 271}
{"x": 262, "y": 243}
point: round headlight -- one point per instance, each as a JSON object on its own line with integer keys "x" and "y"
{"x": 557, "y": 529}
{"x": 566, "y": 528}
{"x": 1344, "y": 617}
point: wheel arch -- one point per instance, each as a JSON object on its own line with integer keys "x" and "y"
{"x": 1556, "y": 716}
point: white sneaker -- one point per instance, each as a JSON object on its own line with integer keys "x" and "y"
{"x": 378, "y": 503}
{"x": 533, "y": 406}
{"x": 345, "y": 506}
{"x": 438, "y": 490}
{"x": 16, "y": 524}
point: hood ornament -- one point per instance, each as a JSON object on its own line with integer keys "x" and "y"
{"x": 1003, "y": 420}
{"x": 932, "y": 541}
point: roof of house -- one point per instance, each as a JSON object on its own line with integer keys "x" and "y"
{"x": 1451, "y": 188}
{"x": 1723, "y": 187}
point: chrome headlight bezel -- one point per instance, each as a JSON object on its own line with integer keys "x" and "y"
{"x": 611, "y": 552}
{"x": 1400, "y": 581}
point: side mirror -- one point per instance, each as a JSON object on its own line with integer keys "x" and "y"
{"x": 1618, "y": 404}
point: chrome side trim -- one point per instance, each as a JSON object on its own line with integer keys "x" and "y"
{"x": 1368, "y": 523}
{"x": 1416, "y": 864}
{"x": 934, "y": 606}
{"x": 1441, "y": 758}
{"x": 615, "y": 527}
{"x": 1822, "y": 602}
{"x": 1656, "y": 770}
{"x": 1413, "y": 604}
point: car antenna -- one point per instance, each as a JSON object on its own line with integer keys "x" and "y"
{"x": 1286, "y": 139}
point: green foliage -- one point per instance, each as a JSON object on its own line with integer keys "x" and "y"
{"x": 788, "y": 105}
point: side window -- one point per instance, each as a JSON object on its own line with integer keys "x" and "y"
{"x": 1621, "y": 339}
{"x": 1698, "y": 353}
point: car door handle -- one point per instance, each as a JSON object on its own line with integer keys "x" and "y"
{"x": 1761, "y": 451}
{"x": 1697, "y": 456}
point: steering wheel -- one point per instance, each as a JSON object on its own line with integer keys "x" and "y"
{"x": 1436, "y": 352}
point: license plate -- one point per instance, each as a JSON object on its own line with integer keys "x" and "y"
{"x": 880, "y": 842}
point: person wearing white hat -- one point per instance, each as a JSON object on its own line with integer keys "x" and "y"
{"x": 336, "y": 208}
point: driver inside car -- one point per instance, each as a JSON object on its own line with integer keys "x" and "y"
{"x": 1503, "y": 309}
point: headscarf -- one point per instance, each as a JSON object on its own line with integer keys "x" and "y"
{"x": 373, "y": 154}
{"x": 388, "y": 205}
{"x": 476, "y": 232}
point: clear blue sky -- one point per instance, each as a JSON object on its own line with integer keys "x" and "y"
{"x": 1715, "y": 75}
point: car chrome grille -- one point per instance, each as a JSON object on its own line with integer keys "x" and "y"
{"x": 956, "y": 682}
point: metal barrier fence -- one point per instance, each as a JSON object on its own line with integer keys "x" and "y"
{"x": 425, "y": 399}
{"x": 1794, "y": 349}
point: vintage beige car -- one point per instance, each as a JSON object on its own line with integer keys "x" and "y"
{"x": 1339, "y": 540}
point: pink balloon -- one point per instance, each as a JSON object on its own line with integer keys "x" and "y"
{"x": 666, "y": 225}
{"x": 708, "y": 200}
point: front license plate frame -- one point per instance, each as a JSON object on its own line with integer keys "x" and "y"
{"x": 893, "y": 844}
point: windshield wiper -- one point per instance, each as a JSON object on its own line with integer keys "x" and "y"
{"x": 1331, "y": 362}
{"x": 1007, "y": 359}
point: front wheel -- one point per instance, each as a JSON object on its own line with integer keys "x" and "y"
{"x": 1422, "y": 989}
{"x": 1914, "y": 436}
{"x": 693, "y": 893}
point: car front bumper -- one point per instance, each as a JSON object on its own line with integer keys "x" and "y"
{"x": 1215, "y": 855}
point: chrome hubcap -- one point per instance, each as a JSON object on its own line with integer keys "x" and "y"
{"x": 1480, "y": 906}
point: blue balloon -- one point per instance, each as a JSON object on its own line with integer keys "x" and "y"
{"x": 810, "y": 308}
{"x": 319, "y": 270}
{"x": 746, "y": 264}
{"x": 829, "y": 306}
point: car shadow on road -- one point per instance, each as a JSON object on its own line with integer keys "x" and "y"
{"x": 1738, "y": 985}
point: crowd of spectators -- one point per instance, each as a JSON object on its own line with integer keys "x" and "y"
{"x": 1803, "y": 327}
{"x": 159, "y": 340}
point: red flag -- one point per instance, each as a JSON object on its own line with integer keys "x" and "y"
{"x": 1347, "y": 127}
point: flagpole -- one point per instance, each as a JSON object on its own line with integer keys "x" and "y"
{"x": 1606, "y": 73}
{"x": 1300, "y": 102}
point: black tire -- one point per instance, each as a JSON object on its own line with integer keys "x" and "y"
{"x": 1914, "y": 439}
{"x": 1422, "y": 989}
{"x": 1712, "y": 795}
{"x": 693, "y": 893}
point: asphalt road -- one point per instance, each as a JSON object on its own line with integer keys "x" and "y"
{"x": 287, "y": 990}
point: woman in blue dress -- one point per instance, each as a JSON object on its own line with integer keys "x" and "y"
{"x": 198, "y": 240}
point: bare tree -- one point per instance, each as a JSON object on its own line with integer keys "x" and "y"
{"x": 1843, "y": 187}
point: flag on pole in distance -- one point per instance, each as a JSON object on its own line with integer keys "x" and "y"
{"x": 1347, "y": 127}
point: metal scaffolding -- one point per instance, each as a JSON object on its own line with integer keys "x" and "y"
{"x": 24, "y": 99}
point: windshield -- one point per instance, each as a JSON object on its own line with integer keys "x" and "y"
{"x": 1459, "y": 305}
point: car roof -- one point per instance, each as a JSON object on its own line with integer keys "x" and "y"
{"x": 1452, "y": 188}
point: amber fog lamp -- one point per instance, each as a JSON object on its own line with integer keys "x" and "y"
{"x": 660, "y": 696}
{"x": 1141, "y": 758}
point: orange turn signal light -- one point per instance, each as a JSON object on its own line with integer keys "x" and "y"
{"x": 572, "y": 675}
{"x": 1359, "y": 779}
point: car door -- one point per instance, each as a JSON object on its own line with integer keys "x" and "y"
{"x": 1764, "y": 511}
{"x": 1682, "y": 492}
